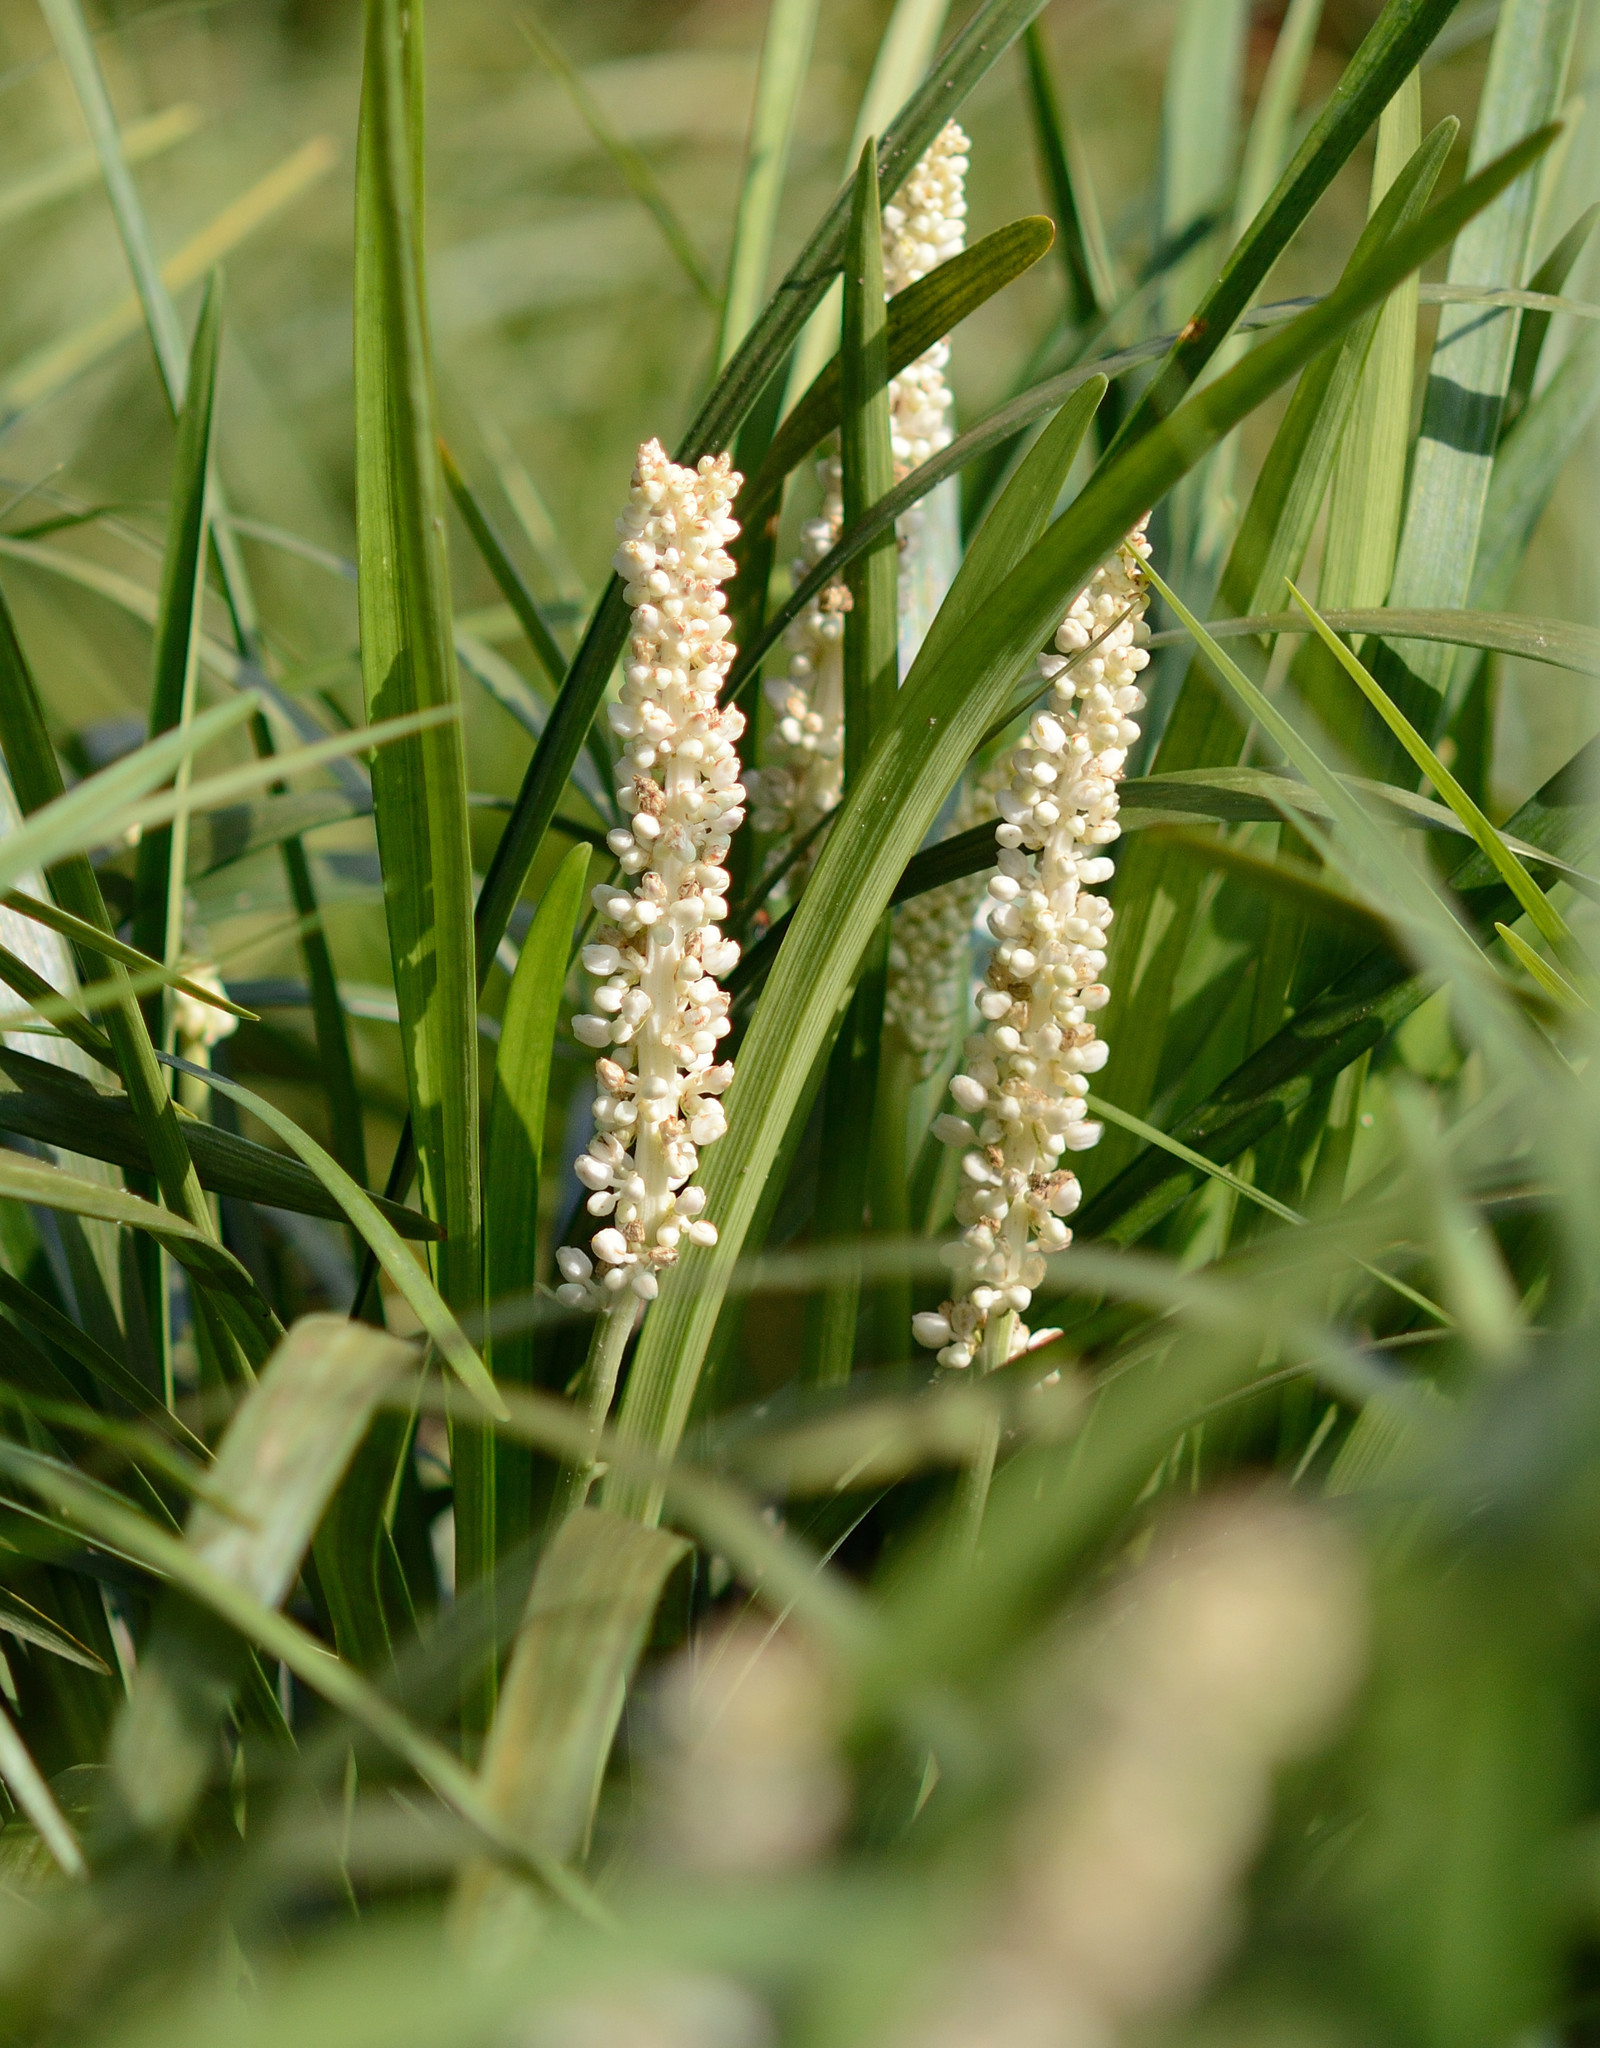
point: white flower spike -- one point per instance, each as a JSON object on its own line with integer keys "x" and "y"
{"x": 1026, "y": 1072}
{"x": 660, "y": 953}
{"x": 803, "y": 773}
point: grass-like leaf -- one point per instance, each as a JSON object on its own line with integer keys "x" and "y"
{"x": 276, "y": 1468}
{"x": 1546, "y": 919}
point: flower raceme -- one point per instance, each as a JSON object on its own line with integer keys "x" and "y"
{"x": 659, "y": 952}
{"x": 1026, "y": 1072}
{"x": 803, "y": 776}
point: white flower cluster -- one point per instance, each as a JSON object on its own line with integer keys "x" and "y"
{"x": 802, "y": 776}
{"x": 660, "y": 953}
{"x": 804, "y": 772}
{"x": 1027, "y": 1070}
{"x": 198, "y": 1025}
{"x": 929, "y": 943}
{"x": 923, "y": 226}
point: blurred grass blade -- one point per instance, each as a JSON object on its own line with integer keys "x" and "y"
{"x": 411, "y": 1283}
{"x": 1080, "y": 240}
{"x": 102, "y": 1515}
{"x": 1550, "y": 978}
{"x": 1199, "y": 132}
{"x": 75, "y": 169}
{"x": 943, "y": 711}
{"x": 634, "y": 169}
{"x": 163, "y": 852}
{"x": 586, "y": 1622}
{"x": 1266, "y": 145}
{"x": 408, "y": 664}
{"x": 514, "y": 1153}
{"x": 1473, "y": 353}
{"x": 1546, "y": 919}
{"x": 28, "y": 1787}
{"x": 785, "y": 56}
{"x": 276, "y": 1469}
{"x": 49, "y": 370}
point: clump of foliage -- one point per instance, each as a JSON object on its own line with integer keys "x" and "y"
{"x": 637, "y": 1579}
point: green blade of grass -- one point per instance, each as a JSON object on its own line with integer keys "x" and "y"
{"x": 925, "y": 312}
{"x": 282, "y": 1456}
{"x": 1368, "y": 490}
{"x": 1546, "y": 919}
{"x": 514, "y": 1151}
{"x": 162, "y": 857}
{"x": 1550, "y": 978}
{"x": 60, "y": 1108}
{"x": 1080, "y": 240}
{"x": 1473, "y": 356}
{"x": 529, "y": 613}
{"x": 1333, "y": 1029}
{"x": 31, "y": 1180}
{"x": 1390, "y": 50}
{"x": 1554, "y": 641}
{"x": 1534, "y": 327}
{"x": 91, "y": 939}
{"x": 408, "y": 662}
{"x": 426, "y": 1302}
